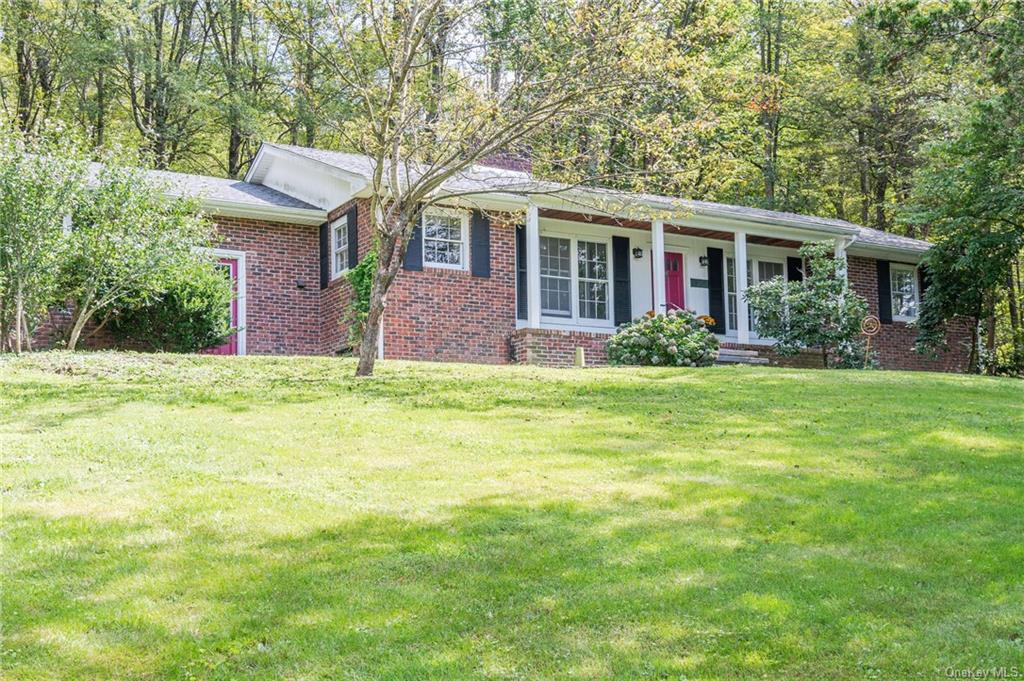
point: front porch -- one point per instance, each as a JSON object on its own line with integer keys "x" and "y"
{"x": 580, "y": 275}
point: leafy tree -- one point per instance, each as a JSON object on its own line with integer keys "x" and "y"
{"x": 187, "y": 316}
{"x": 971, "y": 197}
{"x": 37, "y": 189}
{"x": 821, "y": 311}
{"x": 127, "y": 240}
{"x": 424, "y": 112}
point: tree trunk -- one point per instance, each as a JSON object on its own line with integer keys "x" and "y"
{"x": 80, "y": 318}
{"x": 19, "y": 312}
{"x": 990, "y": 342}
{"x": 1011, "y": 300}
{"x": 824, "y": 357}
{"x": 972, "y": 359}
{"x": 389, "y": 261}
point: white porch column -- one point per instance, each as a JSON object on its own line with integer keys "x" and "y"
{"x": 532, "y": 267}
{"x": 742, "y": 320}
{"x": 658, "y": 263}
{"x": 840, "y": 255}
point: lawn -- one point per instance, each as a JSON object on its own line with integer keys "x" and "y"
{"x": 189, "y": 517}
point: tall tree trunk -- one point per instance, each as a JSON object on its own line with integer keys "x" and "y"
{"x": 19, "y": 313}
{"x": 389, "y": 261}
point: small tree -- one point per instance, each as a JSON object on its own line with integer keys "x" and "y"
{"x": 128, "y": 239}
{"x": 189, "y": 316}
{"x": 820, "y": 311}
{"x": 37, "y": 189}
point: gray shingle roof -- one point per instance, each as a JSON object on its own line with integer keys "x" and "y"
{"x": 875, "y": 237}
{"x": 483, "y": 178}
{"x": 223, "y": 189}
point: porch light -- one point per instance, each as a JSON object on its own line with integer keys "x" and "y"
{"x": 703, "y": 260}
{"x": 638, "y": 252}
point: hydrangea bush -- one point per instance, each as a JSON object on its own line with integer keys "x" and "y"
{"x": 677, "y": 338}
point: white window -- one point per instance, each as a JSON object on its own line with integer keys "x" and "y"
{"x": 445, "y": 240}
{"x": 592, "y": 265}
{"x": 758, "y": 271}
{"x": 732, "y": 318}
{"x": 339, "y": 245}
{"x": 577, "y": 292}
{"x": 903, "y": 284}
{"x": 555, "y": 277}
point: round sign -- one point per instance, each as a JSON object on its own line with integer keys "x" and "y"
{"x": 870, "y": 325}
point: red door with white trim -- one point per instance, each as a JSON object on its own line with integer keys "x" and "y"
{"x": 230, "y": 268}
{"x": 674, "y": 281}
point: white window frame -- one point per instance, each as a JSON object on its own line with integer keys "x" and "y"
{"x": 574, "y": 285}
{"x": 342, "y": 224}
{"x": 541, "y": 276}
{"x": 464, "y": 236}
{"x": 899, "y": 267}
{"x": 753, "y": 274}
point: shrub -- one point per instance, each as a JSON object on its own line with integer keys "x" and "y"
{"x": 190, "y": 315}
{"x": 361, "y": 278}
{"x": 678, "y": 338}
{"x": 821, "y": 311}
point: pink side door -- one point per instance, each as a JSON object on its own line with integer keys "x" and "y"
{"x": 230, "y": 267}
{"x": 674, "y": 281}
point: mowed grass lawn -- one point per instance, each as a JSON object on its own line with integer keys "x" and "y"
{"x": 188, "y": 517}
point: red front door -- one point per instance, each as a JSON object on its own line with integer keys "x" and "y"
{"x": 230, "y": 347}
{"x": 674, "y": 281}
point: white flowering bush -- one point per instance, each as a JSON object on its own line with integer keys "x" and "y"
{"x": 677, "y": 338}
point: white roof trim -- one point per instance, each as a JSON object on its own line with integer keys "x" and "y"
{"x": 300, "y": 216}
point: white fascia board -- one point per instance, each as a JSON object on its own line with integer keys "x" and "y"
{"x": 895, "y": 253}
{"x": 333, "y": 170}
{"x": 256, "y": 163}
{"x": 298, "y": 216}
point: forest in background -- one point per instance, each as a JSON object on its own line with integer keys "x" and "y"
{"x": 856, "y": 109}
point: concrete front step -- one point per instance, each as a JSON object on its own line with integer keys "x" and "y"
{"x": 731, "y": 356}
{"x": 738, "y": 352}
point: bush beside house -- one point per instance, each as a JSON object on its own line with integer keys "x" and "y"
{"x": 678, "y": 338}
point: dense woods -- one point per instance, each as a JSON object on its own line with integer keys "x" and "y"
{"x": 904, "y": 116}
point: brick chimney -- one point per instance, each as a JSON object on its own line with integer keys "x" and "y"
{"x": 508, "y": 160}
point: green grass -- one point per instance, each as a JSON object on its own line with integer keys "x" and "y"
{"x": 222, "y": 517}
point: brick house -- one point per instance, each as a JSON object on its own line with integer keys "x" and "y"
{"x": 509, "y": 269}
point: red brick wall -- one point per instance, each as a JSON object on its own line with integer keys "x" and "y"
{"x": 281, "y": 318}
{"x": 894, "y": 344}
{"x": 558, "y": 348}
{"x": 336, "y": 299}
{"x": 450, "y": 315}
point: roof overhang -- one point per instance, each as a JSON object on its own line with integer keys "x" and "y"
{"x": 899, "y": 254}
{"x": 295, "y": 216}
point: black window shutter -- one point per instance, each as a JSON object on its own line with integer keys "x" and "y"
{"x": 923, "y": 280}
{"x": 521, "y": 302}
{"x": 353, "y": 237}
{"x": 794, "y": 269}
{"x": 480, "y": 244}
{"x": 716, "y": 288}
{"x": 325, "y": 255}
{"x": 884, "y": 292}
{"x": 414, "y": 252}
{"x": 621, "y": 294}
